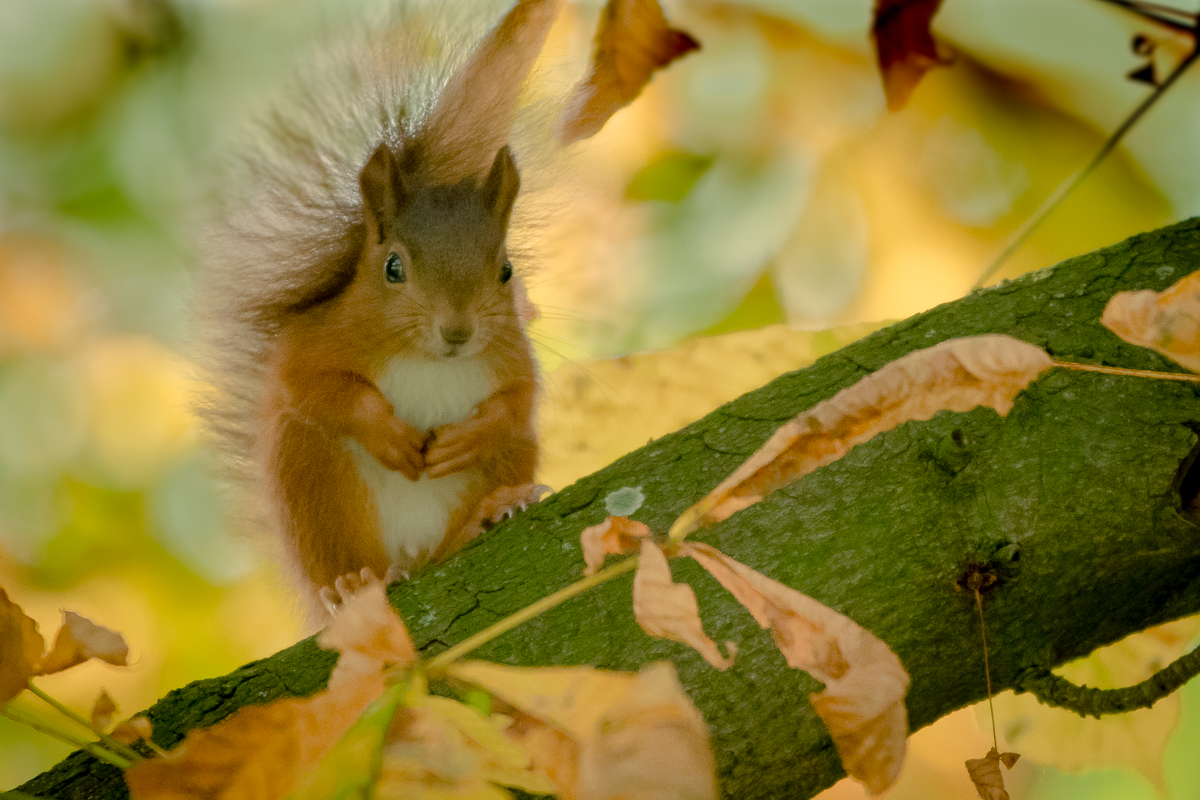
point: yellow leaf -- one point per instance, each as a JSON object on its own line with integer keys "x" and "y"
{"x": 985, "y": 773}
{"x": 1167, "y": 322}
{"x": 600, "y": 734}
{"x": 21, "y": 648}
{"x": 652, "y": 744}
{"x": 865, "y": 683}
{"x": 668, "y": 609}
{"x": 616, "y": 535}
{"x": 260, "y": 752}
{"x": 632, "y": 43}
{"x": 78, "y": 640}
{"x": 956, "y": 375}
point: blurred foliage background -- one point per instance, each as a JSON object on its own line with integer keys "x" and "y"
{"x": 755, "y": 209}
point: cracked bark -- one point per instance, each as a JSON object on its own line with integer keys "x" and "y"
{"x": 1080, "y": 500}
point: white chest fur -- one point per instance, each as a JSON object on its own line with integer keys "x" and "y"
{"x": 413, "y": 516}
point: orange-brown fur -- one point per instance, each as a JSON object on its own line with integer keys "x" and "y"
{"x": 303, "y": 327}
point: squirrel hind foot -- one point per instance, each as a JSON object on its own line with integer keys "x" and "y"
{"x": 504, "y": 503}
{"x": 335, "y": 597}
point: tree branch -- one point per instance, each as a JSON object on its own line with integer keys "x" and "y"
{"x": 1079, "y": 501}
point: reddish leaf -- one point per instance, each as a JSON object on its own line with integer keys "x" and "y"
{"x": 904, "y": 46}
{"x": 633, "y": 41}
{"x": 616, "y": 535}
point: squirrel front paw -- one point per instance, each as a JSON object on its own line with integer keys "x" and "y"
{"x": 397, "y": 445}
{"x": 462, "y": 445}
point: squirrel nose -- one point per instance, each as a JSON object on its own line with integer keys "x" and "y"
{"x": 457, "y": 333}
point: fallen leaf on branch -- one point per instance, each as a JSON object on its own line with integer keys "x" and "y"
{"x": 865, "y": 683}
{"x": 985, "y": 773}
{"x": 616, "y": 536}
{"x": 904, "y": 46}
{"x": 668, "y": 609}
{"x": 1167, "y": 322}
{"x": 956, "y": 375}
{"x": 632, "y": 43}
{"x": 103, "y": 711}
{"x": 602, "y": 735}
{"x": 261, "y": 752}
{"x": 21, "y": 648}
{"x": 78, "y": 640}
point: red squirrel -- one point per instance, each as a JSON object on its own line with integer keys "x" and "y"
{"x": 374, "y": 387}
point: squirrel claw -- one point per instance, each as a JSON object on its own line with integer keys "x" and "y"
{"x": 395, "y": 574}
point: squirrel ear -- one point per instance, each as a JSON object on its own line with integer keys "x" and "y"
{"x": 382, "y": 190}
{"x": 502, "y": 184}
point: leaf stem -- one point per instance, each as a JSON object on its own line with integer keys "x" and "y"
{"x": 93, "y": 748}
{"x": 447, "y": 657}
{"x": 1137, "y": 373}
{"x": 1067, "y": 186}
{"x": 70, "y": 714}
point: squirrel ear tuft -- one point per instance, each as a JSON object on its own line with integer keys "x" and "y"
{"x": 382, "y": 190}
{"x": 502, "y": 184}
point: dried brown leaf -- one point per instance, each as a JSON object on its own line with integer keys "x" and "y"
{"x": 956, "y": 375}
{"x": 1167, "y": 322}
{"x": 21, "y": 648}
{"x": 133, "y": 730}
{"x": 600, "y": 734}
{"x": 78, "y": 640}
{"x": 904, "y": 46}
{"x": 865, "y": 683}
{"x": 632, "y": 43}
{"x": 103, "y": 711}
{"x": 985, "y": 773}
{"x": 259, "y": 752}
{"x": 668, "y": 609}
{"x": 616, "y": 535}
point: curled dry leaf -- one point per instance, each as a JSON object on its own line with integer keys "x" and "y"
{"x": 21, "y": 648}
{"x": 260, "y": 752}
{"x": 865, "y": 683}
{"x": 956, "y": 375}
{"x": 599, "y": 734}
{"x": 80, "y": 639}
{"x": 985, "y": 773}
{"x": 668, "y": 609}
{"x": 103, "y": 711}
{"x": 632, "y": 43}
{"x": 904, "y": 46}
{"x": 616, "y": 535}
{"x": 1167, "y": 322}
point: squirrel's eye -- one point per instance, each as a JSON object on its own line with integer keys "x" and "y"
{"x": 506, "y": 271}
{"x": 393, "y": 268}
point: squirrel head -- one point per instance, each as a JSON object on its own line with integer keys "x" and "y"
{"x": 434, "y": 270}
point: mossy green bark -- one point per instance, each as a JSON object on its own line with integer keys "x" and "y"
{"x": 1074, "y": 499}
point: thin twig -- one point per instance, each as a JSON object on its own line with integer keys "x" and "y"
{"x": 987, "y": 668}
{"x": 1136, "y": 373}
{"x": 94, "y": 748}
{"x": 1066, "y": 187}
{"x": 447, "y": 657}
{"x": 70, "y": 714}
